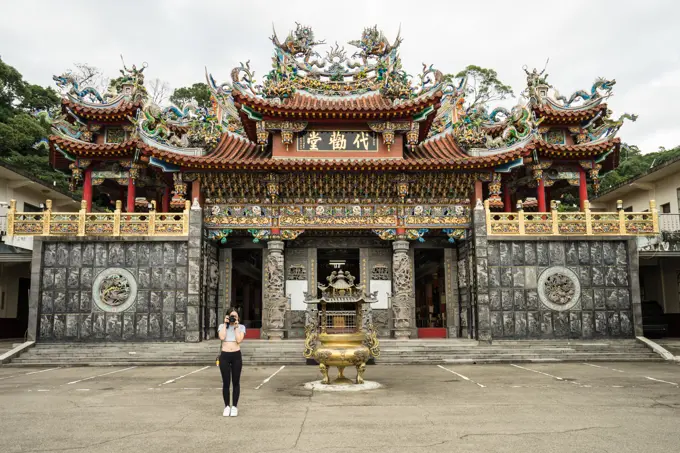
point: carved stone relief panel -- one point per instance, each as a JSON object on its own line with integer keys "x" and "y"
{"x": 559, "y": 288}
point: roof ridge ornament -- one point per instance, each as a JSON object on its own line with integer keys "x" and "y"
{"x": 297, "y": 66}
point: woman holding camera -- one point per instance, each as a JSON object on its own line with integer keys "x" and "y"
{"x": 231, "y": 333}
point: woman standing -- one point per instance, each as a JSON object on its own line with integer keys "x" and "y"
{"x": 231, "y": 333}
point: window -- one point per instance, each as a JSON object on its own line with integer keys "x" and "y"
{"x": 31, "y": 208}
{"x": 666, "y": 208}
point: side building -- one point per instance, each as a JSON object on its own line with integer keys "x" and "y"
{"x": 659, "y": 254}
{"x": 30, "y": 195}
{"x": 445, "y": 210}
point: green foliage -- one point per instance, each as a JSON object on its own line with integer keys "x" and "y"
{"x": 633, "y": 164}
{"x": 198, "y": 92}
{"x": 483, "y": 86}
{"x": 20, "y": 129}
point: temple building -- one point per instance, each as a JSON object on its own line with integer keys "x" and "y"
{"x": 453, "y": 215}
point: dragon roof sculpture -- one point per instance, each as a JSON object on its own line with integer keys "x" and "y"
{"x": 298, "y": 67}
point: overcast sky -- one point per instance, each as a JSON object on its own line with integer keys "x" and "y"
{"x": 634, "y": 41}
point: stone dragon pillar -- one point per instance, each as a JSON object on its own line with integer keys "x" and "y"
{"x": 275, "y": 300}
{"x": 403, "y": 302}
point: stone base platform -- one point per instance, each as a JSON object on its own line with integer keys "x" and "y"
{"x": 319, "y": 387}
{"x": 289, "y": 352}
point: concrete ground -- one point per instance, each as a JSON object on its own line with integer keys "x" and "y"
{"x": 672, "y": 345}
{"x": 556, "y": 407}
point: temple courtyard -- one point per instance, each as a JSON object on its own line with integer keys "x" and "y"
{"x": 538, "y": 407}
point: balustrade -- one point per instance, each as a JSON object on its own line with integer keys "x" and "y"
{"x": 83, "y": 223}
{"x": 572, "y": 223}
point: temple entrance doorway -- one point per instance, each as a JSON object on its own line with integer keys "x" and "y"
{"x": 246, "y": 287}
{"x": 330, "y": 260}
{"x": 429, "y": 289}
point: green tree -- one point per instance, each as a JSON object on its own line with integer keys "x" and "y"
{"x": 632, "y": 164}
{"x": 483, "y": 86}
{"x": 20, "y": 130}
{"x": 198, "y": 92}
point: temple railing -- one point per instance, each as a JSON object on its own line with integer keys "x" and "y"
{"x": 83, "y": 223}
{"x": 572, "y": 223}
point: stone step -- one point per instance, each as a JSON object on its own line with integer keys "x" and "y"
{"x": 290, "y": 352}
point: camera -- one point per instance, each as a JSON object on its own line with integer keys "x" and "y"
{"x": 232, "y": 319}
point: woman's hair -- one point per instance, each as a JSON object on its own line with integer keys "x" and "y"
{"x": 232, "y": 310}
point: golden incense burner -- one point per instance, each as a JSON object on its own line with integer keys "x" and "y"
{"x": 335, "y": 335}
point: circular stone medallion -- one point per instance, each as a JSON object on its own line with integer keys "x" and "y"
{"x": 114, "y": 290}
{"x": 559, "y": 288}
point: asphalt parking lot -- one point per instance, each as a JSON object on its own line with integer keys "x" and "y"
{"x": 555, "y": 407}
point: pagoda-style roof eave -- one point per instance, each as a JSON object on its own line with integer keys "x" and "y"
{"x": 150, "y": 141}
{"x": 590, "y": 149}
{"x": 115, "y": 112}
{"x": 352, "y": 106}
{"x": 347, "y": 164}
{"x": 554, "y": 116}
{"x": 577, "y": 108}
{"x": 81, "y": 148}
{"x": 232, "y": 147}
{"x": 341, "y": 300}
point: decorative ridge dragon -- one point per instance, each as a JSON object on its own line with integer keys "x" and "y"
{"x": 518, "y": 125}
{"x": 129, "y": 86}
{"x": 604, "y": 126}
{"x": 297, "y": 66}
{"x": 68, "y": 80}
{"x": 223, "y": 104}
{"x": 601, "y": 89}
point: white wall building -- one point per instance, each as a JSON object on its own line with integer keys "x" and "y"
{"x": 659, "y": 256}
{"x": 15, "y": 253}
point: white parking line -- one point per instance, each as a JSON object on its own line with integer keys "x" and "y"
{"x": 100, "y": 375}
{"x": 180, "y": 377}
{"x": 461, "y": 376}
{"x": 269, "y": 378}
{"x": 660, "y": 380}
{"x": 26, "y": 374}
{"x": 603, "y": 367}
{"x": 545, "y": 374}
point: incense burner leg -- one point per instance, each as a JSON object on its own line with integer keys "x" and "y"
{"x": 341, "y": 372}
{"x": 360, "y": 373}
{"x": 324, "y": 372}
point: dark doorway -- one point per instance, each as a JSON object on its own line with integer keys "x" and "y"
{"x": 330, "y": 260}
{"x": 429, "y": 287}
{"x": 16, "y": 327}
{"x": 246, "y": 286}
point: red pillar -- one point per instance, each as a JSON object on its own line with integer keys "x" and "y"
{"x": 196, "y": 191}
{"x": 507, "y": 199}
{"x": 541, "y": 196}
{"x": 582, "y": 188}
{"x": 478, "y": 192}
{"x": 131, "y": 195}
{"x": 166, "y": 200}
{"x": 87, "y": 188}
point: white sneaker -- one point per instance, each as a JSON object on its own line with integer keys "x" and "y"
{"x": 234, "y": 411}
{"x": 227, "y": 411}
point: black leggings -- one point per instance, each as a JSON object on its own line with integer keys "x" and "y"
{"x": 230, "y": 367}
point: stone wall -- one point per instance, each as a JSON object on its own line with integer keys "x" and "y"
{"x": 149, "y": 303}
{"x": 557, "y": 288}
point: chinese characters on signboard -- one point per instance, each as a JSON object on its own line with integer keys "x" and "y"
{"x": 337, "y": 141}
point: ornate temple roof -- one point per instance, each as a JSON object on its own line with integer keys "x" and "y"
{"x": 563, "y": 116}
{"x": 367, "y": 105}
{"x": 367, "y": 88}
{"x": 111, "y": 112}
